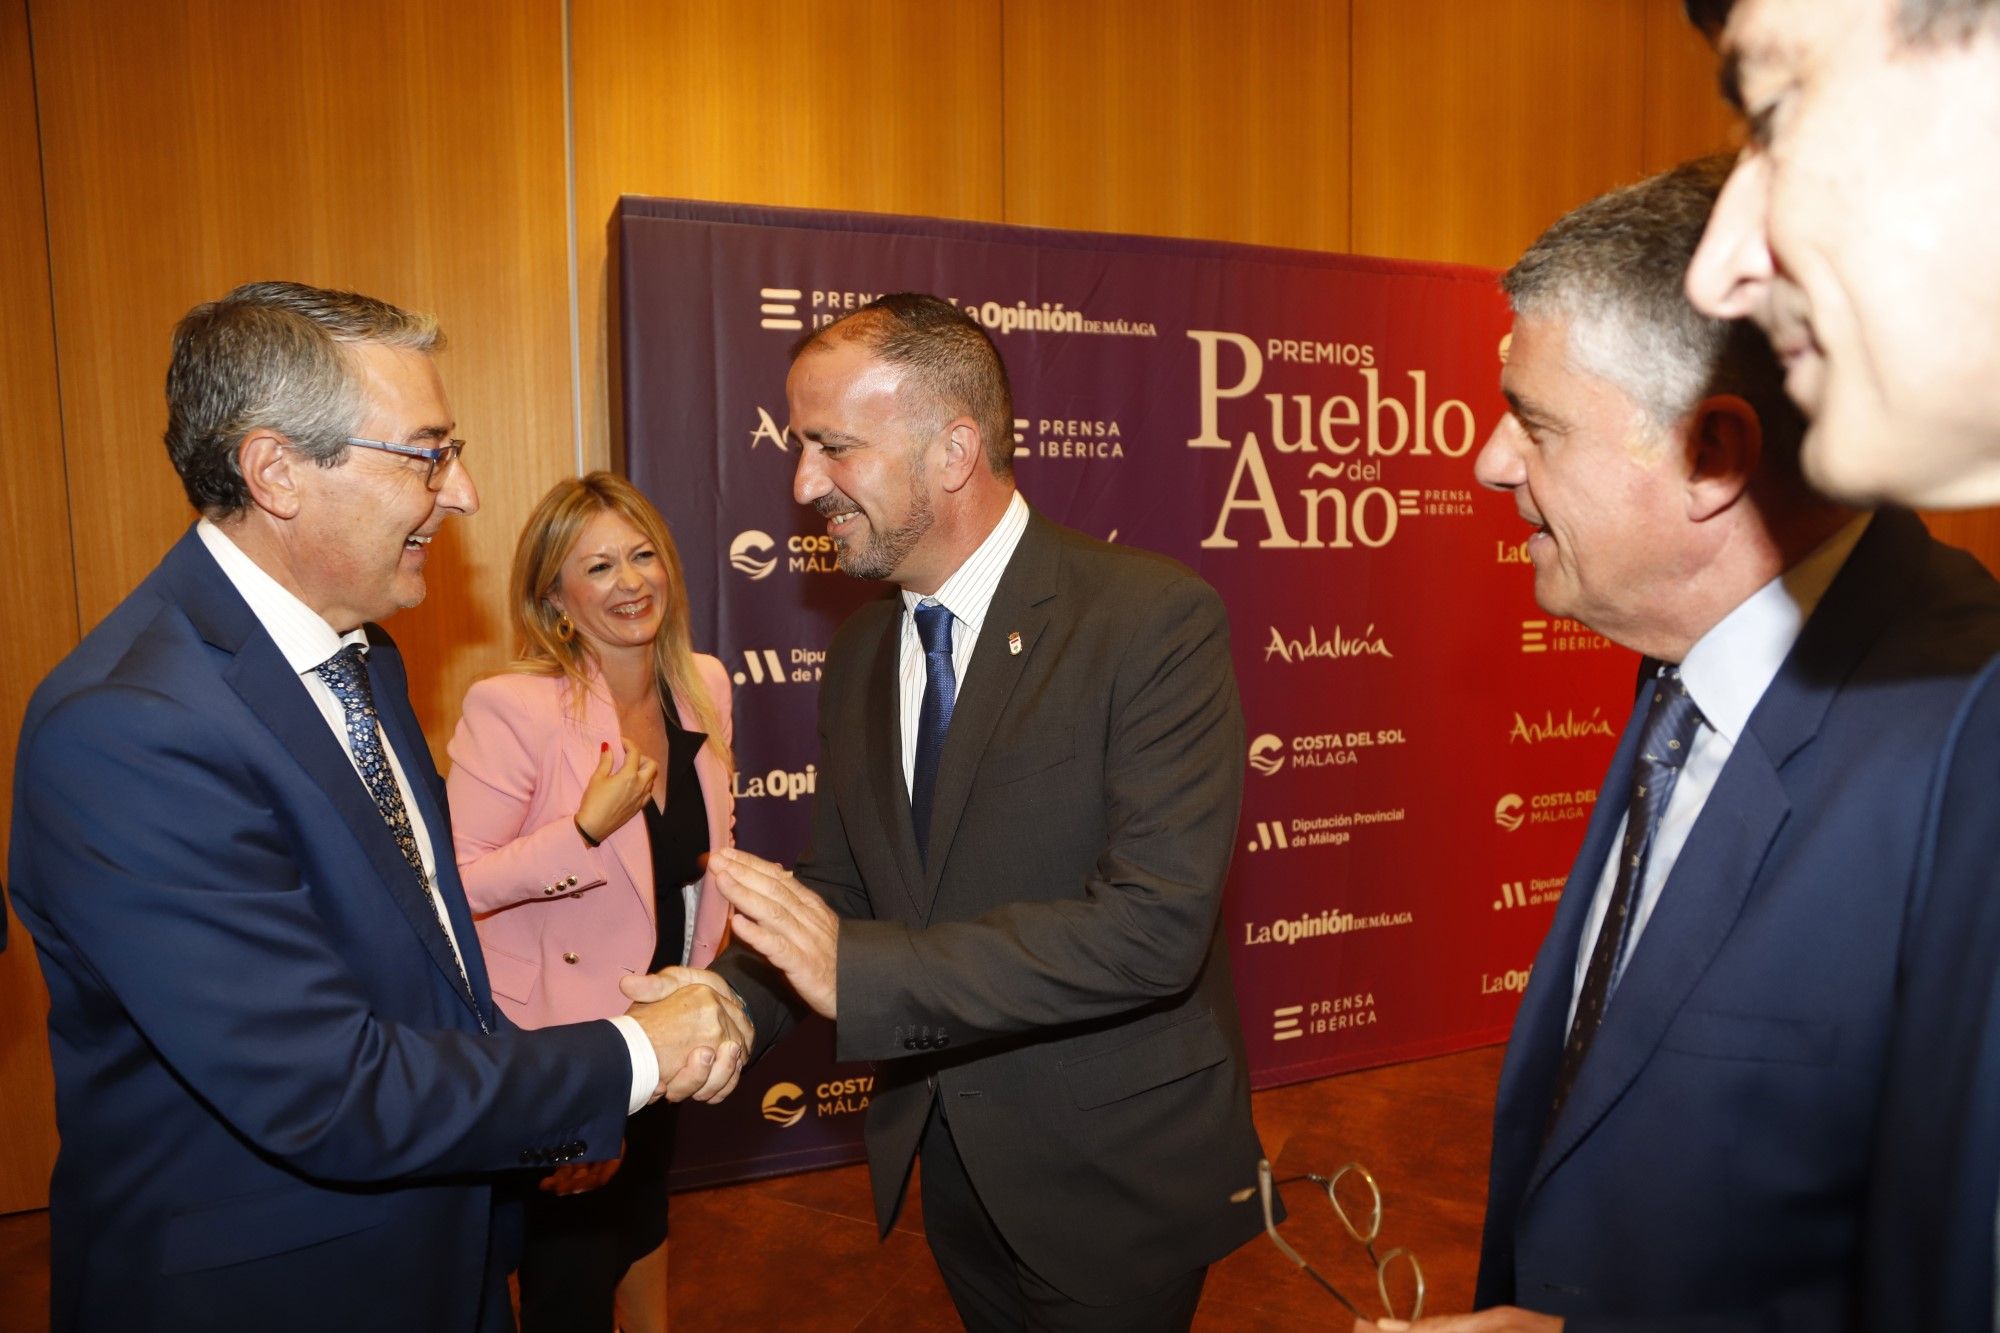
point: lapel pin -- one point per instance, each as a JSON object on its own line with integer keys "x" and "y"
{"x": 1014, "y": 642}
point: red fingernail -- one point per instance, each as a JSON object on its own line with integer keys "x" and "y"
{"x": 602, "y": 746}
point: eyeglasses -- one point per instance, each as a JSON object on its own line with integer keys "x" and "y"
{"x": 441, "y": 459}
{"x": 1397, "y": 1273}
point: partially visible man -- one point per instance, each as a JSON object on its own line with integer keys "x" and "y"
{"x": 1688, "y": 1103}
{"x": 1031, "y": 760}
{"x": 1859, "y": 228}
{"x": 282, "y": 1086}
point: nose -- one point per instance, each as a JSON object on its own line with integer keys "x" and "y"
{"x": 628, "y": 575}
{"x": 809, "y": 479}
{"x": 1730, "y": 275}
{"x": 1499, "y": 466}
{"x": 458, "y": 494}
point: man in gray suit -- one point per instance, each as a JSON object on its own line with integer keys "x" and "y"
{"x": 1030, "y": 764}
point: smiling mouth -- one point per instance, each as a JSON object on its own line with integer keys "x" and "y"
{"x": 417, "y": 541}
{"x": 633, "y": 610}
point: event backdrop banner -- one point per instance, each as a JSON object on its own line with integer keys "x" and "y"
{"x": 1425, "y": 744}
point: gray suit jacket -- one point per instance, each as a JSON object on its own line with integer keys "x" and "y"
{"x": 1055, "y": 974}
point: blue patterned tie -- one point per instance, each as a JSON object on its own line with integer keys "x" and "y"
{"x": 1671, "y": 720}
{"x": 346, "y": 675}
{"x": 934, "y": 718}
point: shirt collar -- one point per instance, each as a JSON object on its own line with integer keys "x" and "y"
{"x": 300, "y": 632}
{"x": 1730, "y": 667}
{"x": 969, "y": 590}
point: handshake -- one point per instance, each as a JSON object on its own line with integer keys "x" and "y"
{"x": 698, "y": 1028}
{"x": 694, "y": 1019}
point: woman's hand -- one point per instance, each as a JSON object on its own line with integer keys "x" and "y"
{"x": 615, "y": 795}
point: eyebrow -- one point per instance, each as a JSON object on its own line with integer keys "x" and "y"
{"x": 829, "y": 437}
{"x": 1526, "y": 412}
{"x": 429, "y": 433}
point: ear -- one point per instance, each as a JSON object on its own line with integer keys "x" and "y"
{"x": 271, "y": 472}
{"x": 964, "y": 452}
{"x": 1725, "y": 442}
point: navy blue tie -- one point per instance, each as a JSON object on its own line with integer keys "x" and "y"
{"x": 1671, "y": 719}
{"x": 934, "y": 718}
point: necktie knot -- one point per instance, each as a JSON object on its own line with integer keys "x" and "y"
{"x": 934, "y": 628}
{"x": 1671, "y": 720}
{"x": 346, "y": 674}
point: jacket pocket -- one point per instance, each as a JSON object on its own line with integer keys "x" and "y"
{"x": 257, "y": 1226}
{"x": 511, "y": 976}
{"x": 1038, "y": 755}
{"x": 1149, "y": 1062}
{"x": 1726, "y": 1036}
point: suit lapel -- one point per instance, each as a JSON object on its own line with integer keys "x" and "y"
{"x": 881, "y": 730}
{"x": 1704, "y": 895}
{"x": 399, "y": 724}
{"x": 582, "y": 745}
{"x": 1022, "y": 604}
{"x": 265, "y": 681}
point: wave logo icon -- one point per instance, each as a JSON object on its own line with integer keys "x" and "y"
{"x": 747, "y": 551}
{"x": 785, "y": 1104}
{"x": 1267, "y": 754}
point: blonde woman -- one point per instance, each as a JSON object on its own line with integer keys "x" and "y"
{"x": 588, "y": 782}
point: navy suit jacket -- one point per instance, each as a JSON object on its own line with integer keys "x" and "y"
{"x": 1709, "y": 1167}
{"x": 1937, "y": 1168}
{"x": 277, "y": 1104}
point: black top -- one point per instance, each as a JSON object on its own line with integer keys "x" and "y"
{"x": 679, "y": 836}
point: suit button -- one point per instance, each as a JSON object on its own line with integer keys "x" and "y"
{"x": 569, "y": 958}
{"x": 548, "y": 889}
{"x": 909, "y": 1043}
{"x": 571, "y": 881}
{"x": 943, "y": 1039}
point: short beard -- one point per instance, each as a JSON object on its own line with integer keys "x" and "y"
{"x": 889, "y": 548}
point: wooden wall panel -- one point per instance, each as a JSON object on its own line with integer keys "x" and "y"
{"x": 1685, "y": 114}
{"x": 37, "y": 586}
{"x": 411, "y": 149}
{"x": 1476, "y": 125}
{"x": 1180, "y": 118}
{"x": 880, "y": 105}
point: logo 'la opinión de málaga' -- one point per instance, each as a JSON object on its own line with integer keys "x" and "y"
{"x": 785, "y": 1104}
{"x": 1267, "y": 754}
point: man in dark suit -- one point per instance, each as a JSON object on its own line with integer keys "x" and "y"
{"x": 1859, "y": 231}
{"x": 1687, "y": 1107}
{"x": 1030, "y": 767}
{"x": 283, "y": 1090}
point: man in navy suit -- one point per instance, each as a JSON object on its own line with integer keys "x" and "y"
{"x": 1689, "y": 1099}
{"x": 1859, "y": 231}
{"x": 284, "y": 1093}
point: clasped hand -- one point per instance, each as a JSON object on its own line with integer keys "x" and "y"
{"x": 698, "y": 1028}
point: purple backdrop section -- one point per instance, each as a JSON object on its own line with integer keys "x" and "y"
{"x": 1299, "y": 428}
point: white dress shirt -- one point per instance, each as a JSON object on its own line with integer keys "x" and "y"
{"x": 305, "y": 640}
{"x": 966, "y": 594}
{"x": 1726, "y": 674}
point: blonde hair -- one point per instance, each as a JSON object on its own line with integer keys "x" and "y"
{"x": 546, "y": 542}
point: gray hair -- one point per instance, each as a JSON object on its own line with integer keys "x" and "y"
{"x": 945, "y": 355}
{"x": 271, "y": 355}
{"x": 1615, "y": 270}
{"x": 1917, "y": 21}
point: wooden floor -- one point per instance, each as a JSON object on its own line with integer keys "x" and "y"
{"x": 799, "y": 1252}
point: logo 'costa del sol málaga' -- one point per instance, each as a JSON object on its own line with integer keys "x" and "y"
{"x": 747, "y": 554}
{"x": 785, "y": 1104}
{"x": 1267, "y": 754}
{"x": 1507, "y": 812}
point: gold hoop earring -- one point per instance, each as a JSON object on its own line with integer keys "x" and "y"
{"x": 565, "y": 631}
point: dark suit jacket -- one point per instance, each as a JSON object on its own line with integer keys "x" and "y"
{"x": 275, "y": 1098}
{"x": 1708, "y": 1169}
{"x": 1936, "y": 1187}
{"x": 1057, "y": 970}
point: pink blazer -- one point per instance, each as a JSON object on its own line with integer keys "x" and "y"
{"x": 559, "y": 922}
